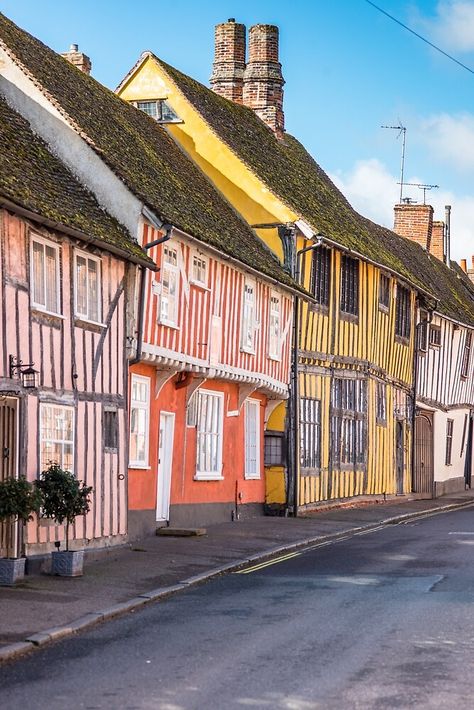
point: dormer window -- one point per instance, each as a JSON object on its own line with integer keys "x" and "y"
{"x": 159, "y": 109}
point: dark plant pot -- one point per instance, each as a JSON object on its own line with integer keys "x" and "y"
{"x": 11, "y": 571}
{"x": 68, "y": 563}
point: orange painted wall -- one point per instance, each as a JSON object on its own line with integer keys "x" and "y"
{"x": 184, "y": 489}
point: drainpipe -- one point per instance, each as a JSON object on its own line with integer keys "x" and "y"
{"x": 294, "y": 391}
{"x": 141, "y": 297}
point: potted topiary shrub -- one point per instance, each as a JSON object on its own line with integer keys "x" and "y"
{"x": 19, "y": 499}
{"x": 63, "y": 499}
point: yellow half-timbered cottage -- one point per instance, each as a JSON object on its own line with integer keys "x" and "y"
{"x": 349, "y": 424}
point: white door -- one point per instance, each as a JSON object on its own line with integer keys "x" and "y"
{"x": 165, "y": 460}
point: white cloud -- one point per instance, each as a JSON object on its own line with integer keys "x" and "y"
{"x": 452, "y": 28}
{"x": 450, "y": 139}
{"x": 372, "y": 190}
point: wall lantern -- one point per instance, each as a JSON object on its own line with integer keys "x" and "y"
{"x": 26, "y": 373}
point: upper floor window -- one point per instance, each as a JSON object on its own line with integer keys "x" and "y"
{"x": 274, "y": 327}
{"x": 349, "y": 285}
{"x": 159, "y": 109}
{"x": 403, "y": 313}
{"x": 423, "y": 332}
{"x": 321, "y": 275}
{"x": 248, "y": 317}
{"x": 449, "y": 441}
{"x": 381, "y": 412}
{"x": 199, "y": 272}
{"x": 435, "y": 335}
{"x": 466, "y": 354}
{"x": 88, "y": 305}
{"x": 169, "y": 285}
{"x": 45, "y": 275}
{"x": 384, "y": 291}
{"x": 139, "y": 420}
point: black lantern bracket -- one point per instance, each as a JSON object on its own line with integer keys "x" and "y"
{"x": 23, "y": 371}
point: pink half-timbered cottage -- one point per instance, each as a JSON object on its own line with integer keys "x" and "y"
{"x": 209, "y": 338}
{"x": 65, "y": 273}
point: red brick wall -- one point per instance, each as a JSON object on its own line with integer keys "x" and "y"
{"x": 414, "y": 222}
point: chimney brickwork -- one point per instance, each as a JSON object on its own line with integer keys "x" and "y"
{"x": 437, "y": 240}
{"x": 80, "y": 60}
{"x": 263, "y": 80}
{"x": 415, "y": 222}
{"x": 470, "y": 271}
{"x": 229, "y": 61}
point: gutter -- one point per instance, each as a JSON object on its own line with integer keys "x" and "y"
{"x": 76, "y": 233}
{"x": 168, "y": 228}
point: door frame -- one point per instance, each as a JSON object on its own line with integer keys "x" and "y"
{"x": 13, "y": 537}
{"x": 417, "y": 477}
{"x": 164, "y": 467}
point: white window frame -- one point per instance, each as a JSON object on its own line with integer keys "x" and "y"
{"x": 45, "y": 243}
{"x": 168, "y": 267}
{"x": 274, "y": 327}
{"x": 248, "y": 321}
{"x": 142, "y": 406}
{"x": 252, "y": 464}
{"x": 61, "y": 441}
{"x": 203, "y": 474}
{"x": 86, "y": 316}
{"x": 205, "y": 261}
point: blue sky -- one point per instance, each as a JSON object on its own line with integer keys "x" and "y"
{"x": 348, "y": 69}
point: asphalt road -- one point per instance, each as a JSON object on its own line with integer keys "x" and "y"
{"x": 375, "y": 621}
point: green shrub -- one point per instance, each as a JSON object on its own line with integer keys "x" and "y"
{"x": 19, "y": 499}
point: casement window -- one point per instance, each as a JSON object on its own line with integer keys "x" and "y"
{"x": 466, "y": 356}
{"x": 110, "y": 429}
{"x": 348, "y": 423}
{"x": 435, "y": 335}
{"x": 384, "y": 292}
{"x": 310, "y": 434}
{"x": 44, "y": 275}
{"x": 321, "y": 275}
{"x": 381, "y": 405}
{"x": 248, "y": 317}
{"x": 159, "y": 109}
{"x": 423, "y": 326}
{"x": 209, "y": 426}
{"x": 56, "y": 436}
{"x": 449, "y": 441}
{"x": 349, "y": 285}
{"x": 87, "y": 287}
{"x": 199, "y": 270}
{"x": 252, "y": 438}
{"x": 403, "y": 313}
{"x": 274, "y": 449}
{"x": 274, "y": 327}
{"x": 169, "y": 286}
{"x": 139, "y": 421}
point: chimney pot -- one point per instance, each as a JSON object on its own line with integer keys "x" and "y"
{"x": 74, "y": 48}
{"x": 79, "y": 59}
{"x": 464, "y": 265}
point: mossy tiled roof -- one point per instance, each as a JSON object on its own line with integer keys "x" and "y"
{"x": 33, "y": 178}
{"x": 142, "y": 154}
{"x": 291, "y": 174}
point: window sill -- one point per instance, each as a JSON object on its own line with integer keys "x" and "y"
{"x": 349, "y": 317}
{"x": 89, "y": 325}
{"x": 320, "y": 308}
{"x": 401, "y": 340}
{"x": 275, "y": 358}
{"x": 252, "y": 477}
{"x": 208, "y": 477}
{"x": 36, "y": 311}
{"x": 200, "y": 285}
{"x": 168, "y": 324}
{"x": 249, "y": 351}
{"x": 383, "y": 308}
{"x": 139, "y": 466}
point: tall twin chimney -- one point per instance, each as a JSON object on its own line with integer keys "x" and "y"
{"x": 416, "y": 222}
{"x": 258, "y": 83}
{"x": 79, "y": 59}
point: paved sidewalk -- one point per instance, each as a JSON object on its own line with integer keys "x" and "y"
{"x": 44, "y": 608}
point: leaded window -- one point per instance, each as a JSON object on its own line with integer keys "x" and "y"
{"x": 349, "y": 285}
{"x": 348, "y": 423}
{"x": 403, "y": 313}
{"x": 321, "y": 275}
{"x": 310, "y": 433}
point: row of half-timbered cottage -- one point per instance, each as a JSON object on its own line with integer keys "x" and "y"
{"x": 351, "y": 416}
{"x": 207, "y": 337}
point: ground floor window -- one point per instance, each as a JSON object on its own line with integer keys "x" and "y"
{"x": 139, "y": 420}
{"x": 449, "y": 441}
{"x": 209, "y": 426}
{"x": 57, "y": 436}
{"x": 310, "y": 433}
{"x": 348, "y": 423}
{"x": 252, "y": 438}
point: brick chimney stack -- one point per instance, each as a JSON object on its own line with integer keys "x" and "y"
{"x": 263, "y": 80}
{"x": 415, "y": 222}
{"x": 470, "y": 272}
{"x": 80, "y": 60}
{"x": 437, "y": 240}
{"x": 229, "y": 60}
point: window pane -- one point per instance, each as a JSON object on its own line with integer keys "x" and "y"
{"x": 81, "y": 286}
{"x": 93, "y": 311}
{"x": 39, "y": 296}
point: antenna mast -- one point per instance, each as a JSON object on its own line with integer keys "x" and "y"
{"x": 402, "y": 131}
